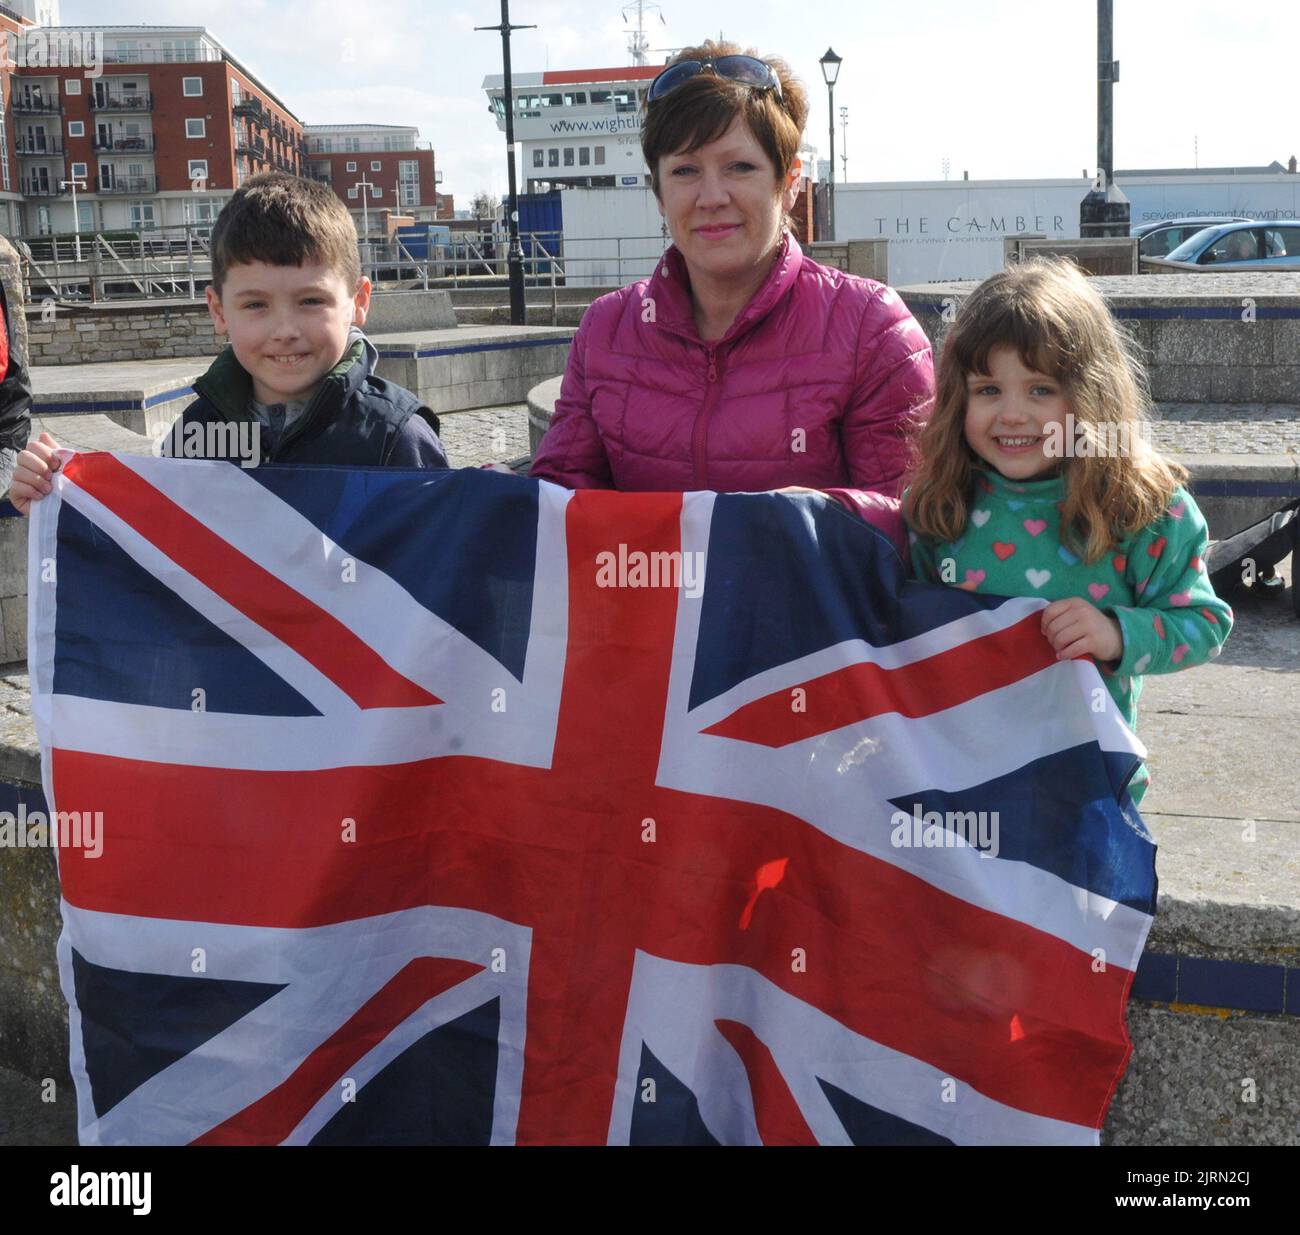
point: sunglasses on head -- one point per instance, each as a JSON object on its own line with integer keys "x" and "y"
{"x": 748, "y": 70}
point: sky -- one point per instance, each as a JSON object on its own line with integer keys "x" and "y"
{"x": 1004, "y": 89}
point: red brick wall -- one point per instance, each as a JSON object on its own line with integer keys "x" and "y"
{"x": 385, "y": 178}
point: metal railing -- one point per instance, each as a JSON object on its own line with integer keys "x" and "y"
{"x": 128, "y": 184}
{"x": 28, "y": 104}
{"x": 38, "y": 147}
{"x": 123, "y": 145}
{"x": 39, "y": 188}
{"x": 121, "y": 102}
{"x": 551, "y": 261}
{"x": 170, "y": 262}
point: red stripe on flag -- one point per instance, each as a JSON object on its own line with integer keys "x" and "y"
{"x": 859, "y": 692}
{"x": 779, "y": 1119}
{"x": 273, "y": 1116}
{"x": 317, "y": 636}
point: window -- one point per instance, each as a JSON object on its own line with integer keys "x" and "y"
{"x": 577, "y": 99}
{"x": 196, "y": 128}
{"x": 1238, "y": 246}
{"x": 552, "y": 100}
{"x": 374, "y": 165}
{"x": 553, "y": 157}
{"x": 142, "y": 216}
{"x": 198, "y": 169}
{"x": 600, "y": 96}
{"x": 568, "y": 156}
{"x": 376, "y": 191}
{"x": 539, "y": 157}
{"x": 192, "y": 87}
{"x": 352, "y": 192}
{"x": 72, "y": 86}
{"x": 584, "y": 156}
{"x": 600, "y": 155}
{"x": 76, "y": 128}
{"x": 78, "y": 171}
{"x": 408, "y": 179}
{"x": 352, "y": 165}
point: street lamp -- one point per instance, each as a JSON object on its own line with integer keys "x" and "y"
{"x": 515, "y": 259}
{"x": 830, "y": 63}
{"x": 365, "y": 186}
{"x": 76, "y": 218}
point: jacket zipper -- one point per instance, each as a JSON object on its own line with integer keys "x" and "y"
{"x": 700, "y": 433}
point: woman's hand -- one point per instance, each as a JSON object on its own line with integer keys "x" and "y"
{"x": 1076, "y": 627}
{"x": 496, "y": 467}
{"x": 32, "y": 472}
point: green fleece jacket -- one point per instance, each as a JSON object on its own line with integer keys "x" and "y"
{"x": 1154, "y": 583}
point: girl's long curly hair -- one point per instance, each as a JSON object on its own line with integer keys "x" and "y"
{"x": 1060, "y": 326}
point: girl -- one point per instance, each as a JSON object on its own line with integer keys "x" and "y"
{"x": 1035, "y": 478}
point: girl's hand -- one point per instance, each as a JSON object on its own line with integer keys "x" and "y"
{"x": 1075, "y": 627}
{"x": 496, "y": 467}
{"x": 32, "y": 471}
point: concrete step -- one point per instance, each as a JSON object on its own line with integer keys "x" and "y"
{"x": 538, "y": 314}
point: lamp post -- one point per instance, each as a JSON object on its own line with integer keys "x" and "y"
{"x": 365, "y": 186}
{"x": 515, "y": 260}
{"x": 76, "y": 218}
{"x": 1105, "y": 210}
{"x": 830, "y": 63}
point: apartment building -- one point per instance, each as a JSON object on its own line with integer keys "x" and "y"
{"x": 386, "y": 166}
{"x": 159, "y": 132}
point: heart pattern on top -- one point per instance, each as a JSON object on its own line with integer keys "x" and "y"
{"x": 980, "y": 517}
{"x": 1098, "y": 590}
{"x": 1038, "y": 577}
{"x": 1035, "y": 527}
{"x": 1003, "y": 549}
{"x": 1140, "y": 665}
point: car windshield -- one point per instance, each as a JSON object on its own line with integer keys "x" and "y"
{"x": 1187, "y": 251}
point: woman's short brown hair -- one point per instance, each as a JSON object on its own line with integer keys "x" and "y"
{"x": 701, "y": 110}
{"x": 285, "y": 221}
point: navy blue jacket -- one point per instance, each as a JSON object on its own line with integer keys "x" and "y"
{"x": 355, "y": 418}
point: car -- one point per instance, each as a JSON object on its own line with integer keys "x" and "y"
{"x": 1160, "y": 238}
{"x": 1239, "y": 246}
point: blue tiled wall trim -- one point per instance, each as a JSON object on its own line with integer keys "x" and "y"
{"x": 1240, "y": 985}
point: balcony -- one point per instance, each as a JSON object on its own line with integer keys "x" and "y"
{"x": 39, "y": 147}
{"x": 41, "y": 188}
{"x": 250, "y": 108}
{"x": 32, "y": 105}
{"x": 121, "y": 102}
{"x": 129, "y": 184}
{"x": 124, "y": 145}
{"x": 250, "y": 147}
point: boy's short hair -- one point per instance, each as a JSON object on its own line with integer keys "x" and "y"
{"x": 285, "y": 221}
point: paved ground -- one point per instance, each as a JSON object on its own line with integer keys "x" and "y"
{"x": 498, "y": 434}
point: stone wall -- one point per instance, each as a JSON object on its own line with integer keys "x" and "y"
{"x": 82, "y": 334}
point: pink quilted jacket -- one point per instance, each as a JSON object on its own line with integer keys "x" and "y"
{"x": 818, "y": 382}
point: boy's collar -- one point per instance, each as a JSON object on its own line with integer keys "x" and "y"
{"x": 228, "y": 386}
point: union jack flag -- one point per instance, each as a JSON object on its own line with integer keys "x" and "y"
{"x": 422, "y": 826}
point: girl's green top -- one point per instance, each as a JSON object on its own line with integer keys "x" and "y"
{"x": 1154, "y": 583}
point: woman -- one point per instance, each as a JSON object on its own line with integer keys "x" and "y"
{"x": 740, "y": 364}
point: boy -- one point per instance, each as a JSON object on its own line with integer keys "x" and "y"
{"x": 296, "y": 382}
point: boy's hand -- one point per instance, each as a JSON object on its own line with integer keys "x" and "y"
{"x": 32, "y": 472}
{"x": 1075, "y": 627}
